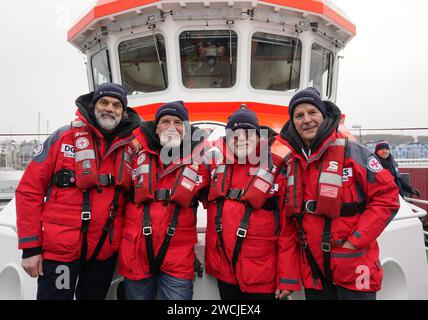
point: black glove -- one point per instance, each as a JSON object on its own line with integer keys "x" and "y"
{"x": 416, "y": 192}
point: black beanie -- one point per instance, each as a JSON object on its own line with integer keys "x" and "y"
{"x": 175, "y": 108}
{"x": 111, "y": 90}
{"x": 243, "y": 118}
{"x": 308, "y": 95}
{"x": 382, "y": 144}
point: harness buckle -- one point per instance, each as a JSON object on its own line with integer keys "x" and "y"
{"x": 242, "y": 233}
{"x": 234, "y": 194}
{"x": 325, "y": 242}
{"x": 170, "y": 231}
{"x": 218, "y": 227}
{"x": 310, "y": 206}
{"x": 162, "y": 194}
{"x": 147, "y": 231}
{"x": 106, "y": 179}
{"x": 86, "y": 215}
{"x": 325, "y": 247}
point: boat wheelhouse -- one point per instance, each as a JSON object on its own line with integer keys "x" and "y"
{"x": 214, "y": 55}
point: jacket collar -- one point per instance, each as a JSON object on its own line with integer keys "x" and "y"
{"x": 85, "y": 112}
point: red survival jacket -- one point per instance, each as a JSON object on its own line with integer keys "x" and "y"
{"x": 229, "y": 221}
{"x": 340, "y": 193}
{"x": 57, "y": 223}
{"x": 162, "y": 195}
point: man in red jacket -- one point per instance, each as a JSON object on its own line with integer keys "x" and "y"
{"x": 339, "y": 200}
{"x": 159, "y": 236}
{"x": 243, "y": 224}
{"x": 71, "y": 198}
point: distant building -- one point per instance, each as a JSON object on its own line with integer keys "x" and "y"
{"x": 15, "y": 155}
{"x": 405, "y": 150}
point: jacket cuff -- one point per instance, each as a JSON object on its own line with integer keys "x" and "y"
{"x": 30, "y": 252}
{"x": 357, "y": 240}
{"x": 289, "y": 284}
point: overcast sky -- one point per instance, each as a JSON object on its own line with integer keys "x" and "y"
{"x": 382, "y": 80}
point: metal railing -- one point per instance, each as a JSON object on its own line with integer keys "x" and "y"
{"x": 425, "y": 232}
{"x": 416, "y": 200}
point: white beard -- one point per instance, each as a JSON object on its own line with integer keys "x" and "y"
{"x": 170, "y": 138}
{"x": 107, "y": 121}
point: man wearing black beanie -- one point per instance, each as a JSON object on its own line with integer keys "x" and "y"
{"x": 387, "y": 160}
{"x": 339, "y": 200}
{"x": 70, "y": 201}
{"x": 243, "y": 221}
{"x": 157, "y": 252}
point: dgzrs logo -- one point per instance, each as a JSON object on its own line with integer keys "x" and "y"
{"x": 68, "y": 148}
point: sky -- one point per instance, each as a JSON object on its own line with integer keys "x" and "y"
{"x": 382, "y": 79}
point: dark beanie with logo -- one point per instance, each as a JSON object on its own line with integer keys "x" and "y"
{"x": 382, "y": 144}
{"x": 243, "y": 119}
{"x": 309, "y": 95}
{"x": 175, "y": 108}
{"x": 111, "y": 90}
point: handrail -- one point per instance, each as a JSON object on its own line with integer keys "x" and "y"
{"x": 416, "y": 200}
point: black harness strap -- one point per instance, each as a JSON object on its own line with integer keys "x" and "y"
{"x": 271, "y": 204}
{"x": 241, "y": 234}
{"x": 326, "y": 247}
{"x": 147, "y": 232}
{"x": 316, "y": 272}
{"x": 86, "y": 218}
{"x": 169, "y": 233}
{"x": 219, "y": 226}
{"x": 108, "y": 226}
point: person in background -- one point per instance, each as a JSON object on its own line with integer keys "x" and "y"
{"x": 385, "y": 157}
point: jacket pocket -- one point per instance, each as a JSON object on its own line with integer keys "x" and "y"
{"x": 347, "y": 265}
{"x": 127, "y": 249}
{"x": 60, "y": 239}
{"x": 258, "y": 265}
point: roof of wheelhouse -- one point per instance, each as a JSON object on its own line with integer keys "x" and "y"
{"x": 110, "y": 9}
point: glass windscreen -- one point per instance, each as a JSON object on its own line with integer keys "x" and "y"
{"x": 275, "y": 62}
{"x": 100, "y": 68}
{"x": 143, "y": 64}
{"x": 321, "y": 72}
{"x": 208, "y": 58}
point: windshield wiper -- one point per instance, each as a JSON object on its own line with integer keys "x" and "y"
{"x": 155, "y": 41}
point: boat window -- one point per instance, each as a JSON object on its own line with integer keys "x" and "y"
{"x": 321, "y": 73}
{"x": 208, "y": 58}
{"x": 275, "y": 62}
{"x": 143, "y": 64}
{"x": 100, "y": 68}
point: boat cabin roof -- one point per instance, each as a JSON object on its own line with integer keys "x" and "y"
{"x": 106, "y": 12}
